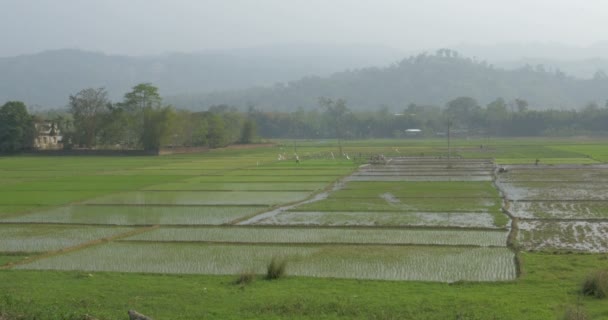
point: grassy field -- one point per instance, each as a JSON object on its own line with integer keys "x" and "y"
{"x": 420, "y": 238}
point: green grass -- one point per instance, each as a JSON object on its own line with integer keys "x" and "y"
{"x": 235, "y": 186}
{"x": 201, "y": 198}
{"x": 11, "y": 257}
{"x": 549, "y": 284}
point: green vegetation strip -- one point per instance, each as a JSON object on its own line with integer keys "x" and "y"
{"x": 235, "y": 186}
{"x": 139, "y": 215}
{"x": 201, "y": 198}
{"x": 418, "y": 189}
{"x": 550, "y": 283}
{"x": 445, "y": 264}
{"x": 388, "y": 218}
{"x": 311, "y": 235}
{"x": 39, "y": 238}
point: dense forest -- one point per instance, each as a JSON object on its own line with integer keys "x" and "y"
{"x": 423, "y": 79}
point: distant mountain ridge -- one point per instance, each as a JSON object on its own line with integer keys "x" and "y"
{"x": 423, "y": 79}
{"x": 267, "y": 77}
{"x": 48, "y": 78}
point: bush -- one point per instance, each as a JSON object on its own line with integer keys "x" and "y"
{"x": 276, "y": 269}
{"x": 596, "y": 284}
{"x": 575, "y": 313}
{"x": 245, "y": 278}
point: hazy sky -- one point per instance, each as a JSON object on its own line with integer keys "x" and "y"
{"x": 137, "y": 27}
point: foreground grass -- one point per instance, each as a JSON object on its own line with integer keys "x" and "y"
{"x": 549, "y": 284}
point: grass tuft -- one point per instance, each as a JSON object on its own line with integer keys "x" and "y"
{"x": 575, "y": 313}
{"x": 596, "y": 284}
{"x": 276, "y": 269}
{"x": 245, "y": 278}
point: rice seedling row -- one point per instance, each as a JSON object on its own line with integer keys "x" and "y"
{"x": 560, "y": 235}
{"x": 386, "y": 218}
{"x": 138, "y": 215}
{"x": 422, "y": 178}
{"x": 387, "y": 202}
{"x": 419, "y": 189}
{"x": 559, "y": 209}
{"x": 200, "y": 198}
{"x": 446, "y": 264}
{"x": 553, "y": 191}
{"x": 39, "y": 238}
{"x": 327, "y": 235}
{"x": 235, "y": 186}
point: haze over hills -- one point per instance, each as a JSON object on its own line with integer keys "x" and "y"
{"x": 287, "y": 76}
{"x": 48, "y": 78}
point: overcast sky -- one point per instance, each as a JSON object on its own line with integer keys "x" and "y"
{"x": 136, "y": 27}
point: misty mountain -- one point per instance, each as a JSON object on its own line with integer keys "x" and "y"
{"x": 580, "y": 62}
{"x": 422, "y": 79}
{"x": 48, "y": 78}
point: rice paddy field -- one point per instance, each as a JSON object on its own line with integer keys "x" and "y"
{"x": 388, "y": 229}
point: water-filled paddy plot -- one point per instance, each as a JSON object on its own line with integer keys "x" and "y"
{"x": 560, "y": 207}
{"x": 430, "y": 219}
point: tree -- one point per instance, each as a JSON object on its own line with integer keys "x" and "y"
{"x": 17, "y": 130}
{"x": 463, "y": 111}
{"x": 497, "y": 116}
{"x": 143, "y": 95}
{"x": 248, "y": 131}
{"x": 87, "y": 108}
{"x": 216, "y": 136}
{"x": 157, "y": 127}
{"x": 522, "y": 105}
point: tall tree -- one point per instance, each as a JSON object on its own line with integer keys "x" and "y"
{"x": 87, "y": 108}
{"x": 157, "y": 127}
{"x": 143, "y": 96}
{"x": 216, "y": 134}
{"x": 17, "y": 130}
{"x": 248, "y": 131}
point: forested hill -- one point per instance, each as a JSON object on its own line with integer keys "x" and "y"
{"x": 48, "y": 78}
{"x": 424, "y": 79}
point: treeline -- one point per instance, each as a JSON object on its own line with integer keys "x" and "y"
{"x": 140, "y": 121}
{"x": 466, "y": 117}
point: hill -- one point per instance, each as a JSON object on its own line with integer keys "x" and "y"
{"x": 422, "y": 79}
{"x": 48, "y": 78}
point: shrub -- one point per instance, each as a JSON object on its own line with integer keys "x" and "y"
{"x": 575, "y": 313}
{"x": 276, "y": 269}
{"x": 596, "y": 284}
{"x": 245, "y": 278}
